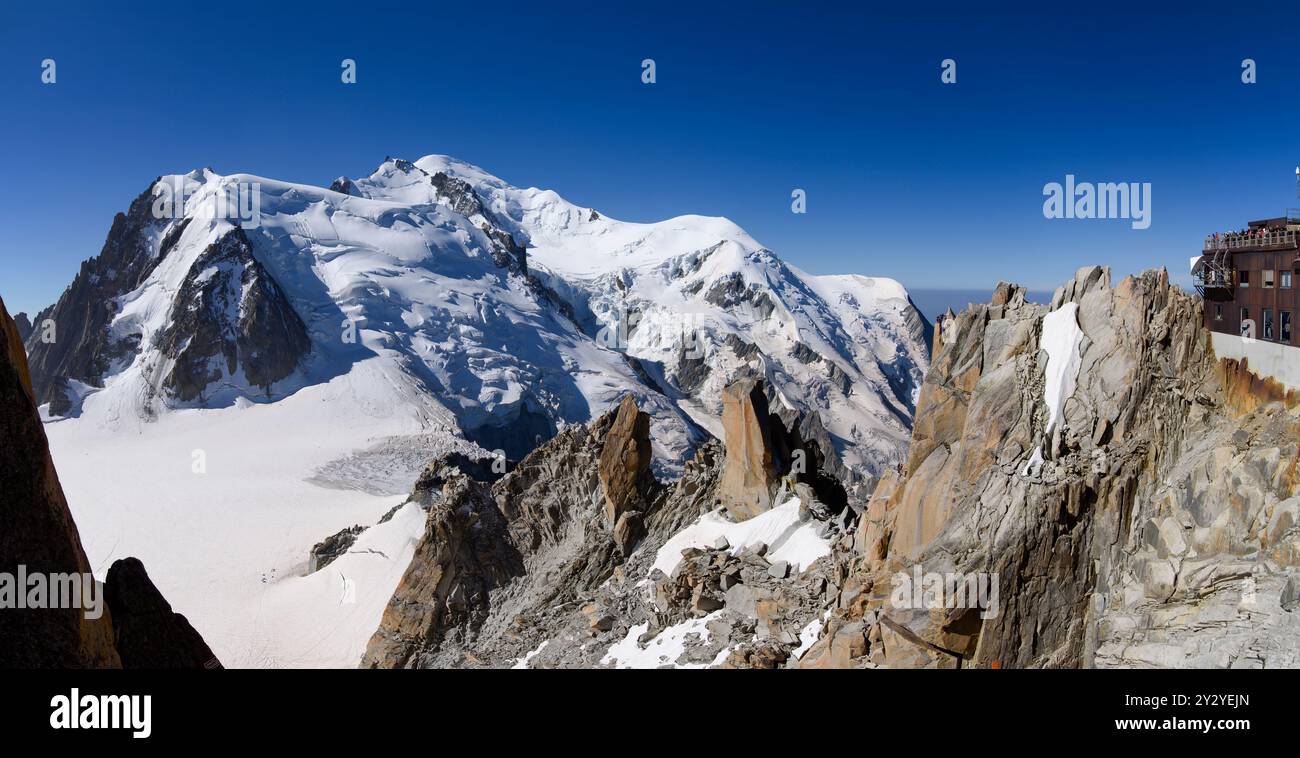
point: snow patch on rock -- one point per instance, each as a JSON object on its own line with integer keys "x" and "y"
{"x": 1062, "y": 338}
{"x": 787, "y": 537}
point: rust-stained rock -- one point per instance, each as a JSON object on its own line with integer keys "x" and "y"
{"x": 1247, "y": 391}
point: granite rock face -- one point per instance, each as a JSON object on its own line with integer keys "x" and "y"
{"x": 554, "y": 566}
{"x": 1145, "y": 520}
{"x": 766, "y": 451}
{"x": 756, "y": 454}
{"x": 516, "y": 549}
{"x": 525, "y": 554}
{"x": 443, "y": 599}
{"x": 1119, "y": 496}
{"x": 625, "y": 462}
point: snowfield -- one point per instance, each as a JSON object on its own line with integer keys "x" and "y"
{"x": 229, "y": 547}
{"x": 430, "y": 332}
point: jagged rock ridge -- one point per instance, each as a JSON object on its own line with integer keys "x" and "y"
{"x": 544, "y": 566}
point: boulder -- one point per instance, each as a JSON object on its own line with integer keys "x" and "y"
{"x": 628, "y": 530}
{"x": 598, "y": 619}
{"x": 1290, "y": 598}
{"x": 744, "y": 599}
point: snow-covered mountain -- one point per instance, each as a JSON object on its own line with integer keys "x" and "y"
{"x": 221, "y": 396}
{"x": 495, "y": 313}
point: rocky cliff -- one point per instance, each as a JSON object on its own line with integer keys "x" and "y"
{"x": 580, "y": 558}
{"x": 229, "y": 314}
{"x": 136, "y": 627}
{"x": 1089, "y": 456}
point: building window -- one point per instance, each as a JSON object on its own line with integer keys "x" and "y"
{"x": 1286, "y": 326}
{"x": 1268, "y": 278}
{"x": 1245, "y": 327}
{"x": 1286, "y": 280}
{"x": 1218, "y": 312}
{"x": 1244, "y": 278}
{"x": 1268, "y": 323}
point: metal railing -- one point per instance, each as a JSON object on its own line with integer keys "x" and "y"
{"x": 1282, "y": 238}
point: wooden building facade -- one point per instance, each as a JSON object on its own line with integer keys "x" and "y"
{"x": 1249, "y": 281}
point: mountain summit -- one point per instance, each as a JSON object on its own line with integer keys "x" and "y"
{"x": 496, "y": 313}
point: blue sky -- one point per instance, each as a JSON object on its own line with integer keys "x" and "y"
{"x": 938, "y": 186}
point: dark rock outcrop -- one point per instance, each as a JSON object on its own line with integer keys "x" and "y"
{"x": 328, "y": 550}
{"x": 344, "y": 185}
{"x": 230, "y": 311}
{"x": 24, "y": 326}
{"x": 37, "y": 532}
{"x": 731, "y": 292}
{"x": 231, "y": 314}
{"x": 149, "y": 634}
{"x": 816, "y": 462}
{"x": 134, "y": 626}
{"x": 461, "y": 198}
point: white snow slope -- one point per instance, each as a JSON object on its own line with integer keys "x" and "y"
{"x": 223, "y": 498}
